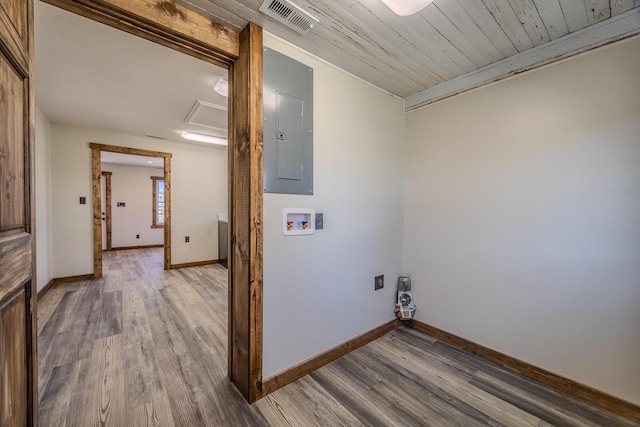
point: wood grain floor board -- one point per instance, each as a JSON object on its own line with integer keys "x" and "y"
{"x": 135, "y": 320}
{"x": 559, "y": 401}
{"x": 354, "y": 375}
{"x": 405, "y": 341}
{"x": 522, "y": 401}
{"x": 61, "y": 315}
{"x": 142, "y": 382}
{"x": 359, "y": 378}
{"x": 179, "y": 379}
{"x": 47, "y": 305}
{"x": 322, "y": 407}
{"x": 276, "y": 413}
{"x": 363, "y": 409}
{"x": 82, "y": 330}
{"x": 105, "y": 384}
{"x": 430, "y": 379}
{"x": 310, "y": 405}
{"x": 58, "y": 397}
{"x": 548, "y": 411}
{"x": 180, "y": 309}
{"x": 60, "y": 386}
{"x": 213, "y": 344}
{"x": 415, "y": 410}
{"x": 110, "y": 322}
{"x": 433, "y": 401}
{"x": 393, "y": 411}
{"x": 148, "y": 347}
{"x": 499, "y": 410}
{"x": 113, "y": 282}
{"x": 546, "y": 399}
{"x": 151, "y": 414}
{"x": 165, "y": 333}
{"x": 49, "y": 347}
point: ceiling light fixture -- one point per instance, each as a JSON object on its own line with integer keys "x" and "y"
{"x": 199, "y": 137}
{"x": 222, "y": 87}
{"x": 406, "y": 7}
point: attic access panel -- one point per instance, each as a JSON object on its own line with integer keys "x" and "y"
{"x": 288, "y": 125}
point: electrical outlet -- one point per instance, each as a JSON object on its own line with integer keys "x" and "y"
{"x": 379, "y": 282}
{"x": 137, "y": 236}
{"x": 186, "y": 239}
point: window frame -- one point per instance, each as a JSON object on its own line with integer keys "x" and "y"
{"x": 154, "y": 208}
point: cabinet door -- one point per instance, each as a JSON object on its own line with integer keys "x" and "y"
{"x": 18, "y": 390}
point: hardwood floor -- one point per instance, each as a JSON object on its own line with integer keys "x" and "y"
{"x": 147, "y": 347}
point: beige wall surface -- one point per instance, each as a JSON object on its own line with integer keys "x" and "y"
{"x": 522, "y": 217}
{"x": 199, "y": 194}
{"x": 319, "y": 289}
{"x": 44, "y": 255}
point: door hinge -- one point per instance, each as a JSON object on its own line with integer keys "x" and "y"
{"x": 233, "y": 240}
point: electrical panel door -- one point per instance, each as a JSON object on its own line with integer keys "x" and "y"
{"x": 288, "y": 125}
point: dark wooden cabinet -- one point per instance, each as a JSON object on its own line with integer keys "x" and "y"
{"x": 18, "y": 363}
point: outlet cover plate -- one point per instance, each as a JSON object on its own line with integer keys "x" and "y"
{"x": 379, "y": 282}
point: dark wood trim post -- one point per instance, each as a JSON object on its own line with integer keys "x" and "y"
{"x": 245, "y": 216}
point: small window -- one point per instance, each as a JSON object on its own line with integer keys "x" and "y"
{"x": 158, "y": 202}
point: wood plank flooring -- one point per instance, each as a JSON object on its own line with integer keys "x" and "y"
{"x": 147, "y": 347}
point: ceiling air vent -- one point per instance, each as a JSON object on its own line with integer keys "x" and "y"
{"x": 290, "y": 15}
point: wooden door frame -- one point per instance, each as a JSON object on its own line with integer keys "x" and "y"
{"x": 174, "y": 26}
{"x": 107, "y": 205}
{"x": 96, "y": 173}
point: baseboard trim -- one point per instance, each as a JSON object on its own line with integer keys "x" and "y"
{"x": 589, "y": 394}
{"x": 45, "y": 289}
{"x": 57, "y": 280}
{"x": 124, "y": 248}
{"x": 68, "y": 279}
{"x": 288, "y": 376}
{"x": 193, "y": 264}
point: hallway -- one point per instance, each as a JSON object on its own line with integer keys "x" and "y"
{"x": 141, "y": 346}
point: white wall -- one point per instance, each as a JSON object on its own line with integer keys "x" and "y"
{"x": 133, "y": 186}
{"x": 318, "y": 289}
{"x": 522, "y": 217}
{"x": 199, "y": 193}
{"x": 44, "y": 253}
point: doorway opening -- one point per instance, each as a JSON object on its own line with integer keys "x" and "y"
{"x": 124, "y": 176}
{"x": 102, "y": 227}
{"x": 172, "y": 25}
{"x": 105, "y": 207}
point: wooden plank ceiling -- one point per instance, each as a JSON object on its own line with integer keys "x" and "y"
{"x": 447, "y": 48}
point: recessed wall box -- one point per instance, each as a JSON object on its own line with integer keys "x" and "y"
{"x": 298, "y": 221}
{"x": 288, "y": 125}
